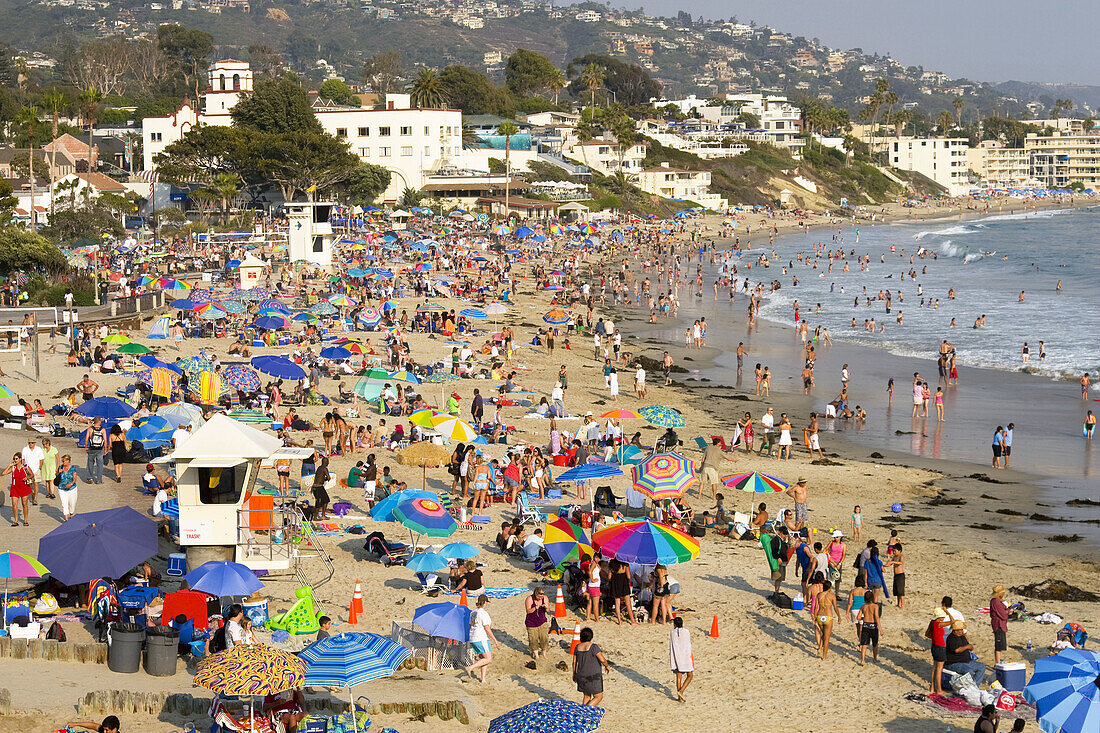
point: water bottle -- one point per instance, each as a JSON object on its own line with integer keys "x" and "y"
{"x": 1029, "y": 643}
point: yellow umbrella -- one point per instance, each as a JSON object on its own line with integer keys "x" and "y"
{"x": 454, "y": 429}
{"x": 117, "y": 338}
{"x": 427, "y": 417}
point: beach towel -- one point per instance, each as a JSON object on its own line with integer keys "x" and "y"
{"x": 497, "y": 593}
{"x": 161, "y": 381}
{"x": 211, "y": 388}
{"x": 679, "y": 651}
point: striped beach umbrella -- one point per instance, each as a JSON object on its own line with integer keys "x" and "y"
{"x": 305, "y": 317}
{"x": 1065, "y": 690}
{"x": 342, "y": 301}
{"x": 274, "y": 304}
{"x": 755, "y": 483}
{"x": 369, "y": 317}
{"x": 351, "y": 658}
{"x": 556, "y": 317}
{"x": 6, "y": 393}
{"x": 646, "y": 542}
{"x": 590, "y": 471}
{"x": 455, "y": 430}
{"x": 427, "y": 417}
{"x": 404, "y": 375}
{"x": 210, "y": 312}
{"x": 621, "y": 415}
{"x": 565, "y": 542}
{"x": 425, "y": 516}
{"x": 664, "y": 476}
{"x": 242, "y": 377}
{"x": 430, "y": 308}
{"x": 474, "y": 314}
{"x": 549, "y": 716}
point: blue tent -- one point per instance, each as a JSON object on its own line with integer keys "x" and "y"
{"x": 160, "y": 328}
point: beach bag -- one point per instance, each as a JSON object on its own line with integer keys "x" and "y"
{"x": 56, "y": 632}
{"x": 782, "y": 600}
{"x": 698, "y": 530}
{"x": 218, "y": 642}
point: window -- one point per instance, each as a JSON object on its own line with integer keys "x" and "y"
{"x": 384, "y": 152}
{"x": 341, "y": 132}
{"x": 318, "y": 244}
{"x": 156, "y": 137}
{"x": 364, "y": 132}
{"x": 221, "y": 485}
{"x": 407, "y": 150}
{"x": 427, "y": 130}
{"x": 427, "y": 150}
{"x": 364, "y": 152}
{"x": 407, "y": 130}
{"x": 383, "y": 132}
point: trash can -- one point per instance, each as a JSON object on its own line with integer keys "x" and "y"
{"x": 124, "y": 647}
{"x": 161, "y": 650}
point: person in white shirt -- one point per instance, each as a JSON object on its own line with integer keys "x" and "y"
{"x": 180, "y": 435}
{"x": 158, "y": 502}
{"x": 639, "y": 382}
{"x": 234, "y": 633}
{"x": 33, "y": 457}
{"x": 557, "y": 398}
{"x": 481, "y": 635}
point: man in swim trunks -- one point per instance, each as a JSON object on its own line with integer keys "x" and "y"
{"x": 801, "y": 510}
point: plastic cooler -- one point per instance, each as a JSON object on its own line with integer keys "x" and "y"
{"x": 1011, "y": 675}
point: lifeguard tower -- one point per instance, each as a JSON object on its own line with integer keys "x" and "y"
{"x": 251, "y": 272}
{"x": 309, "y": 236}
{"x": 222, "y": 514}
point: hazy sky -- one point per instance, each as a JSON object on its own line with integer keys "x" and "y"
{"x": 985, "y": 40}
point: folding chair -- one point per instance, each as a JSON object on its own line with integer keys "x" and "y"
{"x": 526, "y": 512}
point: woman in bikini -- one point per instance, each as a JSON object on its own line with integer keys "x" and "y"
{"x": 824, "y": 616}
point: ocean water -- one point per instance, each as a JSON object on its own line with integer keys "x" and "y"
{"x": 987, "y": 261}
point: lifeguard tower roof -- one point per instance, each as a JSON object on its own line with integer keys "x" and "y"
{"x": 224, "y": 438}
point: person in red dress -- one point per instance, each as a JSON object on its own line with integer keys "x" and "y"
{"x": 21, "y": 477}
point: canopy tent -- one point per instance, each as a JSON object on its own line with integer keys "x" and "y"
{"x": 160, "y": 328}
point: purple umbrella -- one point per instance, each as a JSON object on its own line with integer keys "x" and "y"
{"x": 107, "y": 543}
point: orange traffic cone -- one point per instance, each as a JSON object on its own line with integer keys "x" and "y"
{"x": 353, "y": 615}
{"x": 559, "y": 605}
{"x": 462, "y": 599}
{"x": 714, "y": 627}
{"x": 576, "y": 637}
{"x": 357, "y": 597}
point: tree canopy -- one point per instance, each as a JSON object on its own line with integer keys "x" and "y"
{"x": 337, "y": 91}
{"x": 471, "y": 91}
{"x": 527, "y": 72}
{"x": 631, "y": 84}
{"x": 276, "y": 107}
{"x": 21, "y": 249}
{"x": 363, "y": 184}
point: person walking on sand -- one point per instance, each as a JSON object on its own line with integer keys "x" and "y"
{"x": 589, "y": 667}
{"x": 537, "y": 623}
{"x": 1085, "y": 386}
{"x": 784, "y": 437}
{"x": 481, "y": 636}
{"x": 666, "y": 366}
{"x": 21, "y": 479}
{"x": 869, "y": 621}
{"x": 95, "y": 442}
{"x": 801, "y": 509}
{"x": 680, "y": 657}
{"x": 897, "y": 562}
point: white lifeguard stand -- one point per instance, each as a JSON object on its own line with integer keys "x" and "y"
{"x": 221, "y": 518}
{"x": 310, "y": 236}
{"x": 399, "y": 219}
{"x": 251, "y": 272}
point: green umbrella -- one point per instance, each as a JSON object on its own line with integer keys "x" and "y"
{"x": 133, "y": 348}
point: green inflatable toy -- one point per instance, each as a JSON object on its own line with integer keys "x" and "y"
{"x": 301, "y": 618}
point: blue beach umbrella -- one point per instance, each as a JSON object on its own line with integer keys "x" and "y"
{"x": 383, "y": 510}
{"x": 152, "y": 432}
{"x": 589, "y": 471}
{"x": 475, "y": 314}
{"x": 1065, "y": 691}
{"x": 459, "y": 551}
{"x": 271, "y": 323}
{"x": 549, "y": 716}
{"x": 107, "y": 543}
{"x": 277, "y": 366}
{"x": 106, "y": 408}
{"x": 351, "y": 658}
{"x": 427, "y": 562}
{"x": 447, "y": 620}
{"x": 153, "y": 363}
{"x": 223, "y": 578}
{"x": 335, "y": 352}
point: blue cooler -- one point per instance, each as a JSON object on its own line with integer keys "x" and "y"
{"x": 1011, "y": 675}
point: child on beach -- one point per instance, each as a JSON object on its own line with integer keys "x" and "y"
{"x": 857, "y": 521}
{"x": 897, "y": 562}
{"x": 890, "y": 392}
{"x": 869, "y": 620}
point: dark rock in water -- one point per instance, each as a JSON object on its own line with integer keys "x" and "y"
{"x": 876, "y": 454}
{"x": 1082, "y": 502}
{"x": 994, "y": 498}
{"x": 905, "y": 432}
{"x": 688, "y": 358}
{"x": 1010, "y": 512}
{"x": 1044, "y": 518}
{"x": 983, "y": 526}
{"x": 704, "y": 379}
{"x": 653, "y": 366}
{"x": 984, "y": 477}
{"x": 1064, "y": 538}
{"x": 942, "y": 500}
{"x": 1056, "y": 590}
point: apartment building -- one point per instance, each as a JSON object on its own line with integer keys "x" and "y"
{"x": 780, "y": 120}
{"x": 602, "y": 156}
{"x": 680, "y": 185}
{"x": 1056, "y": 161}
{"x": 942, "y": 159}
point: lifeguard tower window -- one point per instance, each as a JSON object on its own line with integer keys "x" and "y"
{"x": 318, "y": 244}
{"x": 321, "y": 214}
{"x": 221, "y": 485}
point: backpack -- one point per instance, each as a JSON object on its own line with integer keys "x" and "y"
{"x": 56, "y": 632}
{"x": 95, "y": 440}
{"x": 218, "y": 642}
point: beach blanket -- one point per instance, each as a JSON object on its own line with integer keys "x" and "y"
{"x": 497, "y": 593}
{"x": 949, "y": 706}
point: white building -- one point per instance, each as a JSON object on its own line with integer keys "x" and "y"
{"x": 943, "y": 159}
{"x": 409, "y": 143}
{"x": 780, "y": 121}
{"x": 602, "y": 156}
{"x": 1058, "y": 160}
{"x": 681, "y": 185}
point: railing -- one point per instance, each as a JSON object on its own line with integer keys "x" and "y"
{"x": 287, "y": 537}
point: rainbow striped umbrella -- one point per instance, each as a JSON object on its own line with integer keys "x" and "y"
{"x": 664, "y": 476}
{"x": 369, "y": 317}
{"x": 430, "y": 308}
{"x": 210, "y": 311}
{"x": 565, "y": 542}
{"x": 342, "y": 300}
{"x": 556, "y": 317}
{"x": 501, "y": 230}
{"x": 17, "y": 565}
{"x": 646, "y": 542}
{"x": 425, "y": 516}
{"x": 171, "y": 284}
{"x": 621, "y": 415}
{"x": 755, "y": 483}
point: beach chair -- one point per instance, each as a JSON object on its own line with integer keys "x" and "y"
{"x": 430, "y": 584}
{"x": 702, "y": 443}
{"x": 389, "y": 553}
{"x": 721, "y": 443}
{"x": 526, "y": 512}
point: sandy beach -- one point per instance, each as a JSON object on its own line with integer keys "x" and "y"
{"x": 762, "y": 670}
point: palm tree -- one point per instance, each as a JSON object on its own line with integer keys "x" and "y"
{"x": 900, "y": 119}
{"x": 225, "y": 187}
{"x": 556, "y": 82}
{"x": 507, "y": 129}
{"x": 958, "y": 103}
{"x": 593, "y": 77}
{"x": 427, "y": 91}
{"x": 945, "y": 121}
{"x": 88, "y": 100}
{"x": 29, "y": 116}
{"x": 54, "y": 101}
{"x": 850, "y": 143}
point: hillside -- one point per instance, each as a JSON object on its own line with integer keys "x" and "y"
{"x": 686, "y": 56}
